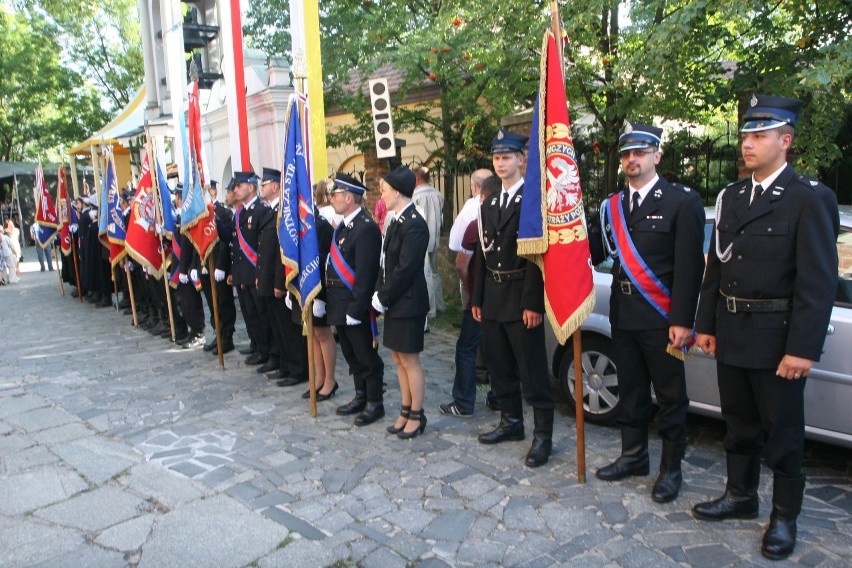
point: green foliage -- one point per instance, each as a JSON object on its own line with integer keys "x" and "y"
{"x": 694, "y": 61}
{"x": 44, "y": 105}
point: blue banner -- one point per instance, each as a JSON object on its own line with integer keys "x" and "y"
{"x": 297, "y": 233}
{"x": 166, "y": 202}
{"x": 115, "y": 226}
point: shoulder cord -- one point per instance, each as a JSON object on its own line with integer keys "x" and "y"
{"x": 610, "y": 249}
{"x": 479, "y": 229}
{"x": 723, "y": 256}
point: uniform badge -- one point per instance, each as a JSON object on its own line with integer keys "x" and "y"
{"x": 753, "y": 101}
{"x": 249, "y": 222}
{"x": 814, "y": 183}
{"x": 658, "y": 193}
{"x": 517, "y": 199}
{"x": 628, "y": 128}
{"x": 500, "y": 135}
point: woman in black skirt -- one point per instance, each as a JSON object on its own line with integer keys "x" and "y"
{"x": 402, "y": 296}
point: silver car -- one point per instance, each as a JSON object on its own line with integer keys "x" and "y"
{"x": 828, "y": 394}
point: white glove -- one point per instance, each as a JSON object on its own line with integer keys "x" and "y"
{"x": 319, "y": 308}
{"x": 352, "y": 321}
{"x": 193, "y": 275}
{"x": 183, "y": 278}
{"x": 219, "y": 275}
{"x": 130, "y": 266}
{"x": 73, "y": 228}
{"x": 158, "y": 229}
{"x": 288, "y": 301}
{"x": 377, "y": 304}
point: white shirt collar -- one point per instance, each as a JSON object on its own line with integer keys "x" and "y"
{"x": 643, "y": 191}
{"x": 767, "y": 181}
{"x": 351, "y": 217}
{"x": 249, "y": 204}
{"x": 511, "y": 190}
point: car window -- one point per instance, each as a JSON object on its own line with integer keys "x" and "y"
{"x": 844, "y": 268}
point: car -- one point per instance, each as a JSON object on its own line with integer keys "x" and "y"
{"x": 828, "y": 393}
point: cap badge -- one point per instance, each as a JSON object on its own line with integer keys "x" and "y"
{"x": 628, "y": 128}
{"x": 753, "y": 101}
{"x": 500, "y": 135}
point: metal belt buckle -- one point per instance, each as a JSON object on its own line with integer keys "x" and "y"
{"x": 496, "y": 276}
{"x": 626, "y": 287}
{"x": 731, "y": 304}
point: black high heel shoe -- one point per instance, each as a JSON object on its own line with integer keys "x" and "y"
{"x": 307, "y": 394}
{"x": 418, "y": 415}
{"x": 403, "y": 412}
{"x": 322, "y": 397}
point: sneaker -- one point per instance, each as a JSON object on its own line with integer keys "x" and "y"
{"x": 453, "y": 409}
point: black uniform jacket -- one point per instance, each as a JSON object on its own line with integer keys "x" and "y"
{"x": 668, "y": 233}
{"x": 251, "y": 218}
{"x": 270, "y": 269}
{"x": 521, "y": 286}
{"x": 225, "y": 229}
{"x": 360, "y": 245}
{"x": 783, "y": 246}
{"x": 402, "y": 283}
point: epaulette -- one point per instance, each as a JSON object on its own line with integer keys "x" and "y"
{"x": 808, "y": 181}
{"x": 682, "y": 187}
{"x": 738, "y": 181}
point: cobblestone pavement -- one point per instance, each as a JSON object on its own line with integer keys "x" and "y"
{"x": 119, "y": 450}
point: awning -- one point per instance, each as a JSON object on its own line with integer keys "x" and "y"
{"x": 129, "y": 121}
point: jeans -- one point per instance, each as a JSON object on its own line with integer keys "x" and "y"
{"x": 42, "y": 254}
{"x": 464, "y": 384}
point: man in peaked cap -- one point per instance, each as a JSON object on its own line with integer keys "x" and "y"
{"x": 251, "y": 215}
{"x": 222, "y": 267}
{"x": 772, "y": 278}
{"x": 508, "y": 299}
{"x": 651, "y": 324}
{"x": 350, "y": 279}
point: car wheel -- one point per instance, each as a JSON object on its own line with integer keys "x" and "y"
{"x": 600, "y": 379}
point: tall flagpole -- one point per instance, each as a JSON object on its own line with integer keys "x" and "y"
{"x": 158, "y": 207}
{"x": 313, "y": 61}
{"x": 577, "y": 343}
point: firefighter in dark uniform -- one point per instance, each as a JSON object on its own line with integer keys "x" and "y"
{"x": 251, "y": 214}
{"x": 189, "y": 269}
{"x": 508, "y": 299}
{"x": 765, "y": 305}
{"x": 665, "y": 223}
{"x": 222, "y": 267}
{"x": 350, "y": 278}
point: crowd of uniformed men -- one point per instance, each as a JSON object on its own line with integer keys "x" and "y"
{"x": 765, "y": 301}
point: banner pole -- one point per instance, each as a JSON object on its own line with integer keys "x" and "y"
{"x": 155, "y": 182}
{"x": 214, "y": 295}
{"x": 308, "y": 326}
{"x": 58, "y": 272}
{"x": 132, "y": 297}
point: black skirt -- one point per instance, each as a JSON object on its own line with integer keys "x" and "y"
{"x": 404, "y": 335}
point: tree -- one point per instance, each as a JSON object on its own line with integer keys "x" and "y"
{"x": 103, "y": 39}
{"x": 693, "y": 61}
{"x": 43, "y": 104}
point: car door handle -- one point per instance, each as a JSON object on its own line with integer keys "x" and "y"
{"x": 830, "y": 329}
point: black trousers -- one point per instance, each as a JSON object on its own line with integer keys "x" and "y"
{"x": 764, "y": 412}
{"x": 193, "y": 309}
{"x": 517, "y": 362}
{"x": 257, "y": 324}
{"x": 642, "y": 361}
{"x": 293, "y": 345}
{"x": 227, "y": 308}
{"x": 368, "y": 369}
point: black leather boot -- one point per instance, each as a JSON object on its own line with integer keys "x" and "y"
{"x": 511, "y": 427}
{"x": 542, "y": 438}
{"x": 355, "y": 405}
{"x": 779, "y": 540}
{"x": 633, "y": 459}
{"x": 372, "y": 412}
{"x": 668, "y": 482}
{"x": 740, "y": 498}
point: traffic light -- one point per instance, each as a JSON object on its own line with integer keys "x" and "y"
{"x": 382, "y": 121}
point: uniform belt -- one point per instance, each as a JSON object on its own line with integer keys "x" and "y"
{"x": 506, "y": 275}
{"x": 335, "y": 283}
{"x": 628, "y": 288}
{"x": 735, "y": 305}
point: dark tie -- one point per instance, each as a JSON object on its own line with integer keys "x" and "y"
{"x": 755, "y": 193}
{"x": 504, "y": 205}
{"x": 635, "y": 206}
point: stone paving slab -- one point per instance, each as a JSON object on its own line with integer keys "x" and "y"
{"x": 126, "y": 451}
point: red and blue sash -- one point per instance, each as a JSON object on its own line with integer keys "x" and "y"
{"x": 651, "y": 288}
{"x": 249, "y": 252}
{"x": 174, "y": 279}
{"x": 347, "y": 276}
